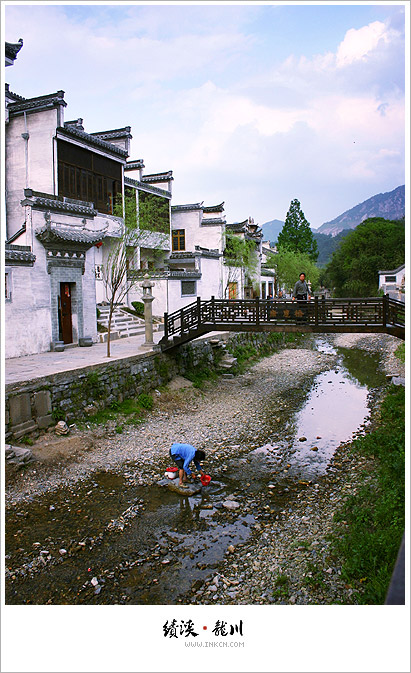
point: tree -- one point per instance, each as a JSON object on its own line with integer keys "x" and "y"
{"x": 296, "y": 234}
{"x": 288, "y": 265}
{"x": 374, "y": 245}
{"x": 239, "y": 254}
{"x": 115, "y": 278}
{"x": 153, "y": 212}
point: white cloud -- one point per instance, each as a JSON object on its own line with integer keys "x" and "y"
{"x": 357, "y": 44}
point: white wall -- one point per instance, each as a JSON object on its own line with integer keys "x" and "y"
{"x": 160, "y": 294}
{"x": 210, "y": 284}
{"x": 175, "y": 299}
{"x": 89, "y": 296}
{"x": 197, "y": 232}
{"x": 28, "y": 315}
{"x": 41, "y": 127}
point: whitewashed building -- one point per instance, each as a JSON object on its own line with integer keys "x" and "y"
{"x": 61, "y": 184}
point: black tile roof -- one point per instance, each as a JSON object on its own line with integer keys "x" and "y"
{"x": 59, "y": 203}
{"x": 114, "y": 133}
{"x": 137, "y": 163}
{"x": 12, "y": 48}
{"x": 19, "y": 255}
{"x": 10, "y": 94}
{"x": 37, "y": 104}
{"x": 77, "y": 123}
{"x": 187, "y": 206}
{"x": 158, "y": 177}
{"x": 214, "y": 209}
{"x": 212, "y": 221}
{"x": 73, "y": 132}
{"x": 146, "y": 187}
{"x": 53, "y": 232}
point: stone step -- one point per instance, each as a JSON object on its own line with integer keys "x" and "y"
{"x": 227, "y": 362}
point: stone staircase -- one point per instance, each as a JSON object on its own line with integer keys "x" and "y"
{"x": 123, "y": 324}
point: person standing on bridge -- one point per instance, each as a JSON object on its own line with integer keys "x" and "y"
{"x": 301, "y": 290}
{"x": 183, "y": 454}
{"x": 301, "y": 293}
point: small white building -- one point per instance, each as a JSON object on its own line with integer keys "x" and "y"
{"x": 393, "y": 282}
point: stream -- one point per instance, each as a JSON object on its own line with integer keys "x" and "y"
{"x": 108, "y": 540}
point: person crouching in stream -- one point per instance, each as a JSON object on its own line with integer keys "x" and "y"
{"x": 183, "y": 454}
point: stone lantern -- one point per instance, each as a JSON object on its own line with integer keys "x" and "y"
{"x": 148, "y": 299}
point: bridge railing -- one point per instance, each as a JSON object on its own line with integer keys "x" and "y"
{"x": 366, "y": 312}
{"x": 396, "y": 313}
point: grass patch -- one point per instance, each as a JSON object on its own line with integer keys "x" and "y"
{"x": 369, "y": 545}
{"x": 199, "y": 376}
{"x": 58, "y": 415}
{"x": 400, "y": 352}
{"x": 130, "y": 412}
{"x": 281, "y": 586}
{"x": 315, "y": 576}
{"x": 27, "y": 440}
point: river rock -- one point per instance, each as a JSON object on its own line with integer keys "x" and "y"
{"x": 190, "y": 489}
{"x": 231, "y": 504}
{"x": 62, "y": 428}
{"x": 18, "y": 455}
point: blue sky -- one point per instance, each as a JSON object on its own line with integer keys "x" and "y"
{"x": 253, "y": 105}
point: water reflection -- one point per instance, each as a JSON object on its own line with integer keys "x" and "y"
{"x": 334, "y": 410}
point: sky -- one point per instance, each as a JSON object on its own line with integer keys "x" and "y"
{"x": 251, "y": 104}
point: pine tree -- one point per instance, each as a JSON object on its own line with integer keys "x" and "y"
{"x": 296, "y": 234}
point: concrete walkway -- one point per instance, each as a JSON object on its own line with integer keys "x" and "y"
{"x": 31, "y": 367}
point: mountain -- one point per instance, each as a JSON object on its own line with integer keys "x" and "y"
{"x": 326, "y": 245}
{"x": 271, "y": 230}
{"x": 389, "y": 205}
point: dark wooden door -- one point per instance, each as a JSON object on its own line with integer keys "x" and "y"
{"x": 65, "y": 303}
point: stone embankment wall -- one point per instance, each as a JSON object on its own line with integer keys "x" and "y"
{"x": 37, "y": 404}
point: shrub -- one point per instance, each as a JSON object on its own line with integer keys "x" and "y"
{"x": 145, "y": 401}
{"x": 138, "y": 306}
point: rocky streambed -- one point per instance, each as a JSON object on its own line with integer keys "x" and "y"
{"x": 92, "y": 520}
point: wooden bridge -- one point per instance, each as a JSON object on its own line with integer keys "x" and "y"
{"x": 364, "y": 315}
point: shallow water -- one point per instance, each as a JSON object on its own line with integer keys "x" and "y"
{"x": 147, "y": 545}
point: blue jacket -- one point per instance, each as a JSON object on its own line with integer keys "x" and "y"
{"x": 187, "y": 453}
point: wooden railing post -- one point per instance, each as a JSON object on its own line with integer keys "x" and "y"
{"x": 198, "y": 311}
{"x": 385, "y": 308}
{"x": 213, "y": 308}
{"x": 316, "y": 310}
{"x": 166, "y": 325}
{"x": 257, "y": 310}
{"x": 181, "y": 321}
